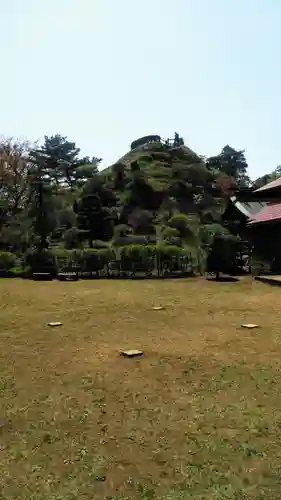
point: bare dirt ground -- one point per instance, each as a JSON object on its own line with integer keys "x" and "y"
{"x": 198, "y": 416}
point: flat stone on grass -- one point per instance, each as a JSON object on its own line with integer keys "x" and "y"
{"x": 55, "y": 323}
{"x": 131, "y": 353}
{"x": 250, "y": 325}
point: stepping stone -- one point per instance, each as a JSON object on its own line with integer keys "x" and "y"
{"x": 158, "y": 308}
{"x": 54, "y": 323}
{"x": 250, "y": 325}
{"x": 131, "y": 353}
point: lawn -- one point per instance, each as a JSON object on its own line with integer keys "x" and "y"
{"x": 198, "y": 416}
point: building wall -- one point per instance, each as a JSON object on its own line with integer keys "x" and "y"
{"x": 266, "y": 241}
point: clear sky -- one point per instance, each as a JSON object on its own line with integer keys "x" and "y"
{"x": 105, "y": 72}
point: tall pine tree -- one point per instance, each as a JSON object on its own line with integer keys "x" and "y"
{"x": 41, "y": 206}
{"x": 94, "y": 211}
{"x": 62, "y": 162}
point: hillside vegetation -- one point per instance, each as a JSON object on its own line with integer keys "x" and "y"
{"x": 158, "y": 193}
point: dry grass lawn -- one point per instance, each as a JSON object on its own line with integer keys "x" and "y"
{"x": 197, "y": 417}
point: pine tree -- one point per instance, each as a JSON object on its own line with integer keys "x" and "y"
{"x": 94, "y": 211}
{"x": 62, "y": 162}
{"x": 41, "y": 207}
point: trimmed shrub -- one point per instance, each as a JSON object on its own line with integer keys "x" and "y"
{"x": 71, "y": 238}
{"x": 19, "y": 270}
{"x": 143, "y": 258}
{"x": 171, "y": 236}
{"x": 187, "y": 227}
{"x": 163, "y": 258}
{"x": 88, "y": 260}
{"x": 7, "y": 261}
{"x": 121, "y": 233}
{"x": 41, "y": 261}
{"x": 171, "y": 258}
{"x": 133, "y": 240}
{"x": 151, "y": 239}
{"x": 67, "y": 260}
{"x": 168, "y": 232}
{"x": 101, "y": 244}
{"x": 223, "y": 251}
{"x": 135, "y": 258}
{"x": 94, "y": 260}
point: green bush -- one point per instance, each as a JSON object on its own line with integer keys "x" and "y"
{"x": 121, "y": 233}
{"x": 151, "y": 239}
{"x": 130, "y": 239}
{"x": 137, "y": 258}
{"x": 41, "y": 261}
{"x": 208, "y": 233}
{"x": 171, "y": 236}
{"x": 167, "y": 232}
{"x": 180, "y": 222}
{"x": 7, "y": 261}
{"x": 100, "y": 244}
{"x": 71, "y": 238}
{"x": 20, "y": 269}
{"x": 173, "y": 258}
{"x": 223, "y": 251}
{"x": 187, "y": 227}
{"x": 144, "y": 258}
{"x": 198, "y": 260}
{"x": 67, "y": 260}
{"x": 94, "y": 260}
{"x": 163, "y": 258}
{"x": 87, "y": 260}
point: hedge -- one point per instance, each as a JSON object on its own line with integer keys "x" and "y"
{"x": 128, "y": 260}
{"x": 138, "y": 258}
{"x": 7, "y": 261}
{"x": 42, "y": 261}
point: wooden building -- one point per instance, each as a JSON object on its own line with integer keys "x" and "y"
{"x": 239, "y": 213}
{"x": 264, "y": 227}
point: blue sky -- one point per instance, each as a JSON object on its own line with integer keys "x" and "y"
{"x": 105, "y": 72}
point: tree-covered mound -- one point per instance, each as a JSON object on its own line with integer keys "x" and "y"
{"x": 159, "y": 193}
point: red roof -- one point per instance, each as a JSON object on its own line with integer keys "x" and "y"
{"x": 270, "y": 212}
{"x": 270, "y": 185}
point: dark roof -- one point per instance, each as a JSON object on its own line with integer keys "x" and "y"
{"x": 271, "y": 212}
{"x": 270, "y": 185}
{"x": 248, "y": 208}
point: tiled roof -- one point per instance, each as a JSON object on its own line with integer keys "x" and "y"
{"x": 270, "y": 185}
{"x": 249, "y": 209}
{"x": 270, "y": 212}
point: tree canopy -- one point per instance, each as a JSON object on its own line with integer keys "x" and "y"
{"x": 232, "y": 163}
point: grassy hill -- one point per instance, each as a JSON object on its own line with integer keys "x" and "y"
{"x": 159, "y": 149}
{"x": 164, "y": 165}
{"x": 155, "y": 160}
